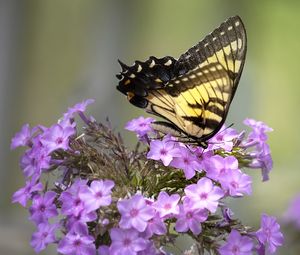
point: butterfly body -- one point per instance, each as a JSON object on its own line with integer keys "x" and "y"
{"x": 193, "y": 93}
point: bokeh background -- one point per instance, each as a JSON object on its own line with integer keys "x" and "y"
{"x": 55, "y": 53}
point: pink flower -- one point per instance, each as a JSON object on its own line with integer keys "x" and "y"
{"x": 22, "y": 195}
{"x": 57, "y": 137}
{"x": 135, "y": 213}
{"x": 269, "y": 234}
{"x": 237, "y": 245}
{"x": 156, "y": 226}
{"x": 236, "y": 183}
{"x": 186, "y": 161}
{"x": 98, "y": 194}
{"x": 217, "y": 166}
{"x": 164, "y": 150}
{"x": 223, "y": 139}
{"x": 43, "y": 236}
{"x": 21, "y": 138}
{"x": 77, "y": 242}
{"x": 167, "y": 205}
{"x": 190, "y": 219}
{"x": 141, "y": 126}
{"x": 43, "y": 207}
{"x": 126, "y": 241}
{"x": 204, "y": 195}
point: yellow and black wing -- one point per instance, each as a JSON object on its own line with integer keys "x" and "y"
{"x": 194, "y": 92}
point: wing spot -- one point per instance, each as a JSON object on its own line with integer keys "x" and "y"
{"x": 219, "y": 67}
{"x": 152, "y": 64}
{"x": 171, "y": 85}
{"x": 240, "y": 43}
{"x": 206, "y": 71}
{"x": 185, "y": 79}
{"x": 213, "y": 69}
{"x": 199, "y": 73}
{"x": 237, "y": 23}
{"x": 193, "y": 76}
{"x": 158, "y": 80}
{"x": 139, "y": 68}
{"x": 168, "y": 63}
{"x": 222, "y": 33}
{"x": 229, "y": 28}
{"x": 206, "y": 44}
{"x": 127, "y": 82}
{"x": 132, "y": 75}
{"x": 177, "y": 82}
{"x": 214, "y": 38}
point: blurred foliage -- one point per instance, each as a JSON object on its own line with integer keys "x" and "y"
{"x": 55, "y": 53}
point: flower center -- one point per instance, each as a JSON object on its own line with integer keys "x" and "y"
{"x": 163, "y": 152}
{"x": 134, "y": 212}
{"x": 167, "y": 206}
{"x": 77, "y": 202}
{"x": 126, "y": 242}
{"x": 189, "y": 215}
{"x": 268, "y": 232}
{"x": 235, "y": 250}
{"x": 59, "y": 140}
{"x": 203, "y": 196}
{"x": 234, "y": 184}
{"x": 186, "y": 161}
{"x": 42, "y": 208}
{"x": 99, "y": 194}
{"x": 77, "y": 242}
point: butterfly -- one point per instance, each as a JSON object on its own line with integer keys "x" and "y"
{"x": 192, "y": 93}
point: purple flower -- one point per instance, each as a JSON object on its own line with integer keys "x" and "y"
{"x": 259, "y": 130}
{"x": 164, "y": 150}
{"x": 262, "y": 159}
{"x": 167, "y": 205}
{"x": 236, "y": 183}
{"x": 217, "y": 166}
{"x": 126, "y": 241}
{"x": 103, "y": 250}
{"x": 237, "y": 245}
{"x": 57, "y": 137}
{"x": 190, "y": 219}
{"x": 204, "y": 195}
{"x": 43, "y": 236}
{"x": 141, "y": 126}
{"x": 186, "y": 161}
{"x": 223, "y": 139}
{"x": 22, "y": 195}
{"x": 43, "y": 207}
{"x": 77, "y": 242}
{"x": 135, "y": 213}
{"x": 72, "y": 204}
{"x": 78, "y": 108}
{"x": 35, "y": 160}
{"x": 81, "y": 217}
{"x": 292, "y": 214}
{"x": 269, "y": 234}
{"x": 156, "y": 226}
{"x": 98, "y": 194}
{"x": 21, "y": 138}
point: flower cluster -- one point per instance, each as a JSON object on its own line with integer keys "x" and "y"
{"x": 106, "y": 199}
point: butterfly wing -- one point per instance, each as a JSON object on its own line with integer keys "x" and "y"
{"x": 194, "y": 92}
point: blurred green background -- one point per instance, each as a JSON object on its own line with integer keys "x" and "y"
{"x": 56, "y": 53}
